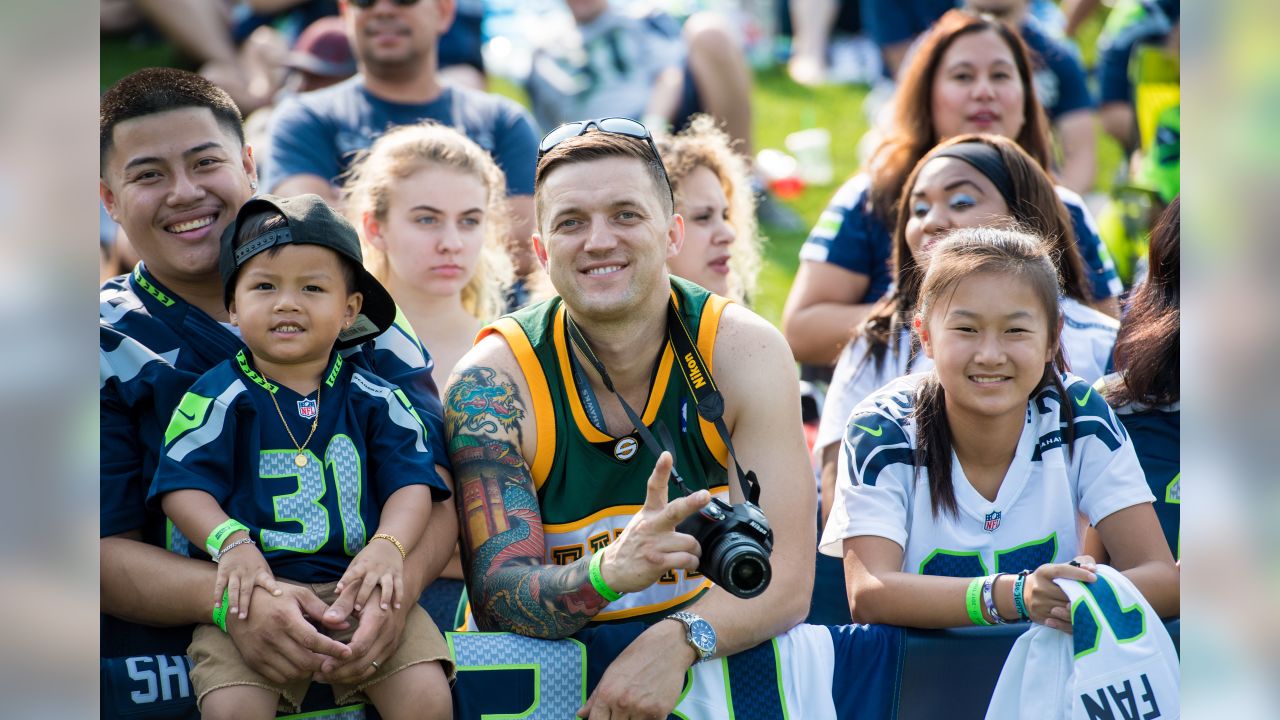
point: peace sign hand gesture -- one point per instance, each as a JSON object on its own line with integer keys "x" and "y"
{"x": 650, "y": 545}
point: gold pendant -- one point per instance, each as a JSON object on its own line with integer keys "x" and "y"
{"x": 300, "y": 460}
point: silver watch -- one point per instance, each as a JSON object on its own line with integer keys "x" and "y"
{"x": 698, "y": 633}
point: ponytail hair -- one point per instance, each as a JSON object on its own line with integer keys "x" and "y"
{"x": 964, "y": 253}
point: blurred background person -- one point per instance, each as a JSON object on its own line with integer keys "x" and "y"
{"x": 1145, "y": 389}
{"x": 1061, "y": 88}
{"x": 1130, "y": 25}
{"x": 712, "y": 186}
{"x": 315, "y": 135}
{"x": 642, "y": 64}
{"x": 970, "y": 74}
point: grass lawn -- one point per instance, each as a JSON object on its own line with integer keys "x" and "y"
{"x": 781, "y": 107}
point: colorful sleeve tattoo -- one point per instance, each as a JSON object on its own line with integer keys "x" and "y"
{"x": 510, "y": 586}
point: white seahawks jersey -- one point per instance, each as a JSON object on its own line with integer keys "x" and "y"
{"x": 856, "y": 377}
{"x": 1037, "y": 513}
{"x": 1087, "y": 339}
{"x": 1119, "y": 661}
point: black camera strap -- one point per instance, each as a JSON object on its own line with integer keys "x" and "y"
{"x": 709, "y": 402}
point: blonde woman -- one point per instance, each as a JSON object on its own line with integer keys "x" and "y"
{"x": 430, "y": 207}
{"x": 433, "y": 219}
{"x": 713, "y": 193}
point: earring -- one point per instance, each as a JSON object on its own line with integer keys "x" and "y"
{"x": 253, "y": 185}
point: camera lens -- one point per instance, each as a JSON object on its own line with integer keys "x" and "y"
{"x": 747, "y": 573}
{"x": 741, "y": 566}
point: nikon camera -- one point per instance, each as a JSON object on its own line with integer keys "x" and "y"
{"x": 736, "y": 541}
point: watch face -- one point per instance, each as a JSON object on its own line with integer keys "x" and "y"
{"x": 703, "y": 635}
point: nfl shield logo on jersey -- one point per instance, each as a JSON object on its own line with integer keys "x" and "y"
{"x": 307, "y": 408}
{"x": 992, "y": 521}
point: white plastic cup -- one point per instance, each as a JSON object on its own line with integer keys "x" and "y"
{"x": 812, "y": 151}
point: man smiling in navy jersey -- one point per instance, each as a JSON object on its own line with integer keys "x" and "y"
{"x": 174, "y": 172}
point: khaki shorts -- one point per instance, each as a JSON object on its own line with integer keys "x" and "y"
{"x": 218, "y": 663}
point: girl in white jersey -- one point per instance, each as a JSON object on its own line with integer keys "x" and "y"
{"x": 967, "y": 181}
{"x": 961, "y": 490}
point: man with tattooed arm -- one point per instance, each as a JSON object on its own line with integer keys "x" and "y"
{"x": 567, "y": 516}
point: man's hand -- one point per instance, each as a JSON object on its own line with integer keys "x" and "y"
{"x": 377, "y": 638}
{"x": 241, "y": 570}
{"x": 645, "y": 680}
{"x": 277, "y": 641}
{"x": 650, "y": 545}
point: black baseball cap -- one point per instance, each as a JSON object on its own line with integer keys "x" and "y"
{"x": 310, "y": 221}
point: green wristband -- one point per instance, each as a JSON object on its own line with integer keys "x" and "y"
{"x": 973, "y": 601}
{"x": 220, "y": 535}
{"x": 220, "y": 612}
{"x": 597, "y": 578}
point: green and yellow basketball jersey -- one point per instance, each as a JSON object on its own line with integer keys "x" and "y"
{"x": 589, "y": 483}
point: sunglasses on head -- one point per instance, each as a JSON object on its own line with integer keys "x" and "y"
{"x": 365, "y": 4}
{"x": 611, "y": 125}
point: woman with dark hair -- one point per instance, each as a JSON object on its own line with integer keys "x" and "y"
{"x": 970, "y": 74}
{"x": 969, "y": 481}
{"x": 967, "y": 181}
{"x": 1144, "y": 390}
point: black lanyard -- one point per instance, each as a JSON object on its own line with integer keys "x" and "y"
{"x": 697, "y": 376}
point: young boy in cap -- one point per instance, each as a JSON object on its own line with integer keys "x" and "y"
{"x": 294, "y": 463}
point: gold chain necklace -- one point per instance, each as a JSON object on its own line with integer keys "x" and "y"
{"x": 300, "y": 459}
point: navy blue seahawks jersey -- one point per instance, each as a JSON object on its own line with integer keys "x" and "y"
{"x": 1155, "y": 431}
{"x": 1155, "y": 436}
{"x": 228, "y": 438}
{"x": 153, "y": 345}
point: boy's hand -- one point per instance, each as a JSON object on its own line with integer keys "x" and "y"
{"x": 239, "y": 571}
{"x": 378, "y": 565}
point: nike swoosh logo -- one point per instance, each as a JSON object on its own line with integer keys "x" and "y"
{"x": 190, "y": 416}
{"x": 873, "y": 433}
{"x": 1085, "y": 399}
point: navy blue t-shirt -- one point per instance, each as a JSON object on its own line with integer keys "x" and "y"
{"x": 849, "y": 235}
{"x": 1155, "y": 432}
{"x": 893, "y": 21}
{"x": 318, "y": 133}
{"x": 1058, "y": 73}
{"x": 227, "y": 438}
